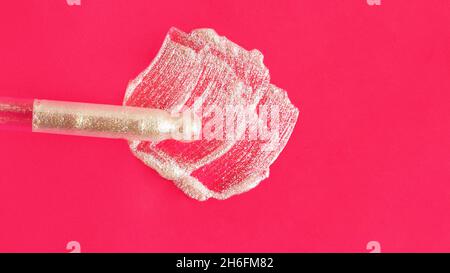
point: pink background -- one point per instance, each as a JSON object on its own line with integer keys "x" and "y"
{"x": 369, "y": 158}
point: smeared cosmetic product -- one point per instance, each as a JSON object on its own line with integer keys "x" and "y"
{"x": 203, "y": 72}
{"x": 203, "y": 114}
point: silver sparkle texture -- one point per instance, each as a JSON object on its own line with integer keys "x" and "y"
{"x": 201, "y": 71}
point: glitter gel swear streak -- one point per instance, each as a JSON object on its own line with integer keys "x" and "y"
{"x": 199, "y": 71}
{"x": 202, "y": 70}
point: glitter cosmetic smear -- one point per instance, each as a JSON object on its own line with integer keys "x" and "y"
{"x": 246, "y": 121}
